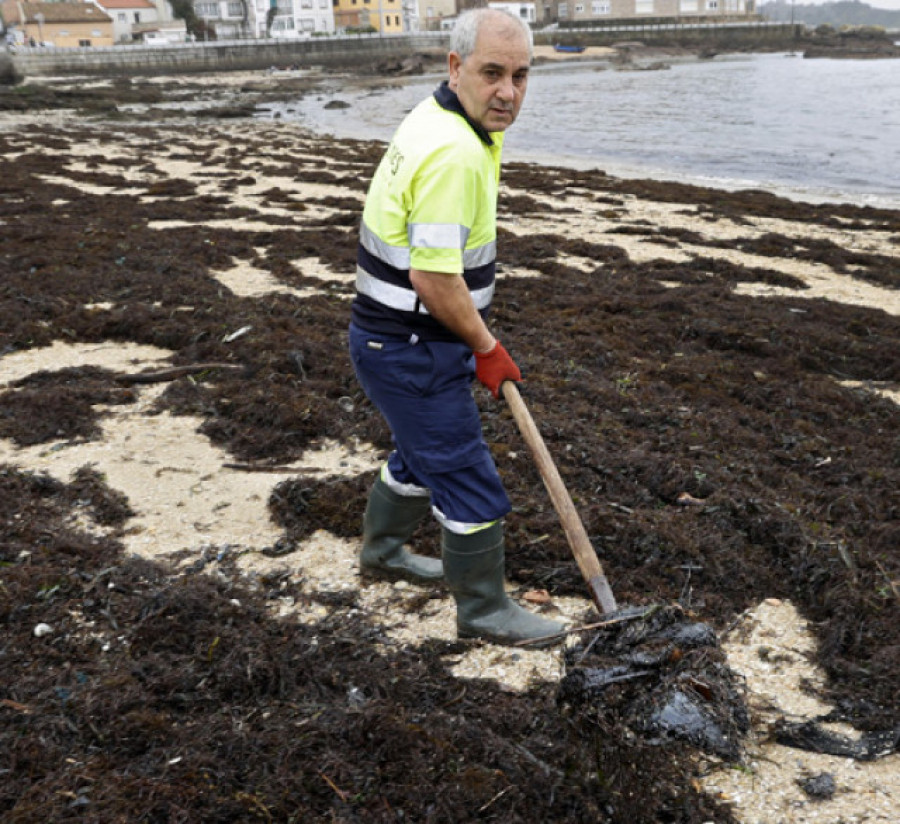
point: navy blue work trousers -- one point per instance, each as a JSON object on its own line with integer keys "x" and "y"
{"x": 424, "y": 391}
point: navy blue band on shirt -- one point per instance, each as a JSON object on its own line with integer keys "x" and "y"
{"x": 448, "y": 100}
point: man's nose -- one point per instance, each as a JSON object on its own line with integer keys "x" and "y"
{"x": 506, "y": 89}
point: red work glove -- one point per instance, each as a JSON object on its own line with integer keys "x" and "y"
{"x": 494, "y": 367}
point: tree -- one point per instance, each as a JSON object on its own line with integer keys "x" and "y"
{"x": 184, "y": 10}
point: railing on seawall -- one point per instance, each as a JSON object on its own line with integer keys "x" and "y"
{"x": 222, "y": 55}
{"x": 351, "y": 50}
{"x": 747, "y": 32}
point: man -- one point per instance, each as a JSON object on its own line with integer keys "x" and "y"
{"x": 425, "y": 279}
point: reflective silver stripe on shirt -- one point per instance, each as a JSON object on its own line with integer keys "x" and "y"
{"x": 399, "y": 256}
{"x": 451, "y": 236}
{"x": 437, "y": 235}
{"x": 480, "y": 256}
{"x": 396, "y": 297}
{"x": 399, "y": 297}
{"x": 482, "y": 297}
{"x": 396, "y": 256}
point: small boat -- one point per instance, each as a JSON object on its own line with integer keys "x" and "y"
{"x": 569, "y": 49}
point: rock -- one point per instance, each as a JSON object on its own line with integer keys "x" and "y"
{"x": 855, "y": 42}
{"x": 684, "y": 717}
{"x": 820, "y": 786}
{"x": 8, "y": 74}
{"x": 41, "y": 630}
{"x": 337, "y": 104}
{"x": 225, "y": 112}
{"x": 813, "y": 737}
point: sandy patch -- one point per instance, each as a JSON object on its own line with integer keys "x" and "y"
{"x": 772, "y": 649}
{"x": 590, "y": 53}
{"x": 590, "y": 222}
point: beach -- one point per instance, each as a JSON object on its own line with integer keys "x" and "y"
{"x": 716, "y": 373}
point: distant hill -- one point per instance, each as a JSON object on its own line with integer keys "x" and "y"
{"x": 844, "y": 13}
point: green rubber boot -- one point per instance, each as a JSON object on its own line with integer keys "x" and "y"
{"x": 388, "y": 524}
{"x": 474, "y": 568}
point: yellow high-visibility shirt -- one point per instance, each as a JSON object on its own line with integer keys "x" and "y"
{"x": 431, "y": 205}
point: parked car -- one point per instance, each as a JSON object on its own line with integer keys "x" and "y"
{"x": 155, "y": 38}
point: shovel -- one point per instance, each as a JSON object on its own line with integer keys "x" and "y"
{"x": 585, "y": 556}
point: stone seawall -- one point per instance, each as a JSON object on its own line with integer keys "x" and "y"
{"x": 233, "y": 55}
{"x": 350, "y": 51}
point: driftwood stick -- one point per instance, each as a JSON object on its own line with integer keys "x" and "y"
{"x": 247, "y": 467}
{"x": 616, "y": 619}
{"x": 887, "y": 578}
{"x": 161, "y": 375}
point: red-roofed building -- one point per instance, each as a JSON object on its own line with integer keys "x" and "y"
{"x": 57, "y": 24}
{"x": 132, "y": 19}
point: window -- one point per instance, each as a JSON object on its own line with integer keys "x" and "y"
{"x": 306, "y": 4}
{"x": 599, "y": 7}
{"x": 235, "y": 10}
{"x": 688, "y": 7}
{"x": 85, "y": 43}
{"x": 643, "y": 7}
{"x": 323, "y": 4}
{"x": 137, "y": 17}
{"x": 122, "y": 17}
{"x": 562, "y": 11}
{"x": 712, "y": 5}
{"x": 396, "y": 19}
{"x": 579, "y": 8}
{"x": 207, "y": 10}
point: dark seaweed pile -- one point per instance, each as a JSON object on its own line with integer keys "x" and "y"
{"x": 708, "y": 445}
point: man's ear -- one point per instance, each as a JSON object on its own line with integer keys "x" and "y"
{"x": 454, "y": 61}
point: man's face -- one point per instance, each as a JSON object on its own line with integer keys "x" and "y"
{"x": 491, "y": 82}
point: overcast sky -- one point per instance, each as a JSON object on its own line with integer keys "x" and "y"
{"x": 893, "y": 5}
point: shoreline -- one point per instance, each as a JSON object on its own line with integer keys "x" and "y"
{"x": 266, "y": 95}
{"x": 357, "y": 114}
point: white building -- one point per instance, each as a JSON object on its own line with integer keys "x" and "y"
{"x": 132, "y": 19}
{"x": 575, "y": 11}
{"x": 440, "y": 15}
{"x": 230, "y": 19}
{"x": 433, "y": 13}
{"x": 524, "y": 11}
{"x": 291, "y": 19}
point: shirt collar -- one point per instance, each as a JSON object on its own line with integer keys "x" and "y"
{"x": 448, "y": 100}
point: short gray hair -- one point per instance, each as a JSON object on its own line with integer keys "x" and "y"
{"x": 469, "y": 23}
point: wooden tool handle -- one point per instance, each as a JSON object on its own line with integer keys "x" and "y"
{"x": 585, "y": 556}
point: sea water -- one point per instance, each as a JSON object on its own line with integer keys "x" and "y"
{"x": 817, "y": 129}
